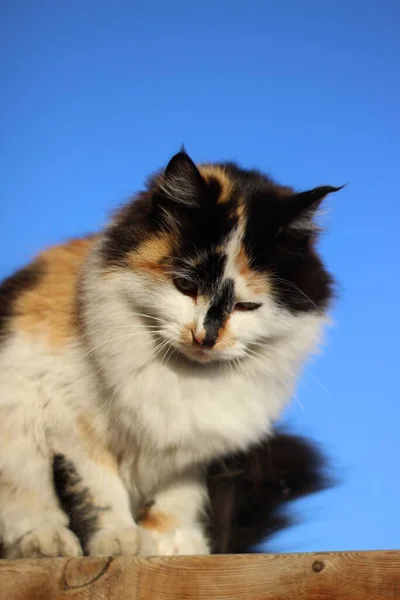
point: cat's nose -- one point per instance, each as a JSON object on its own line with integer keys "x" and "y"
{"x": 202, "y": 340}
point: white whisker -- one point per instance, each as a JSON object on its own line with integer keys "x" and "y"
{"x": 317, "y": 381}
{"x": 291, "y": 392}
{"x": 120, "y": 337}
{"x": 296, "y": 287}
{"x": 154, "y": 351}
{"x": 113, "y": 327}
{"x": 288, "y": 355}
{"x": 151, "y": 317}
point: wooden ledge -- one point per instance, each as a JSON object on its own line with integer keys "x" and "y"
{"x": 321, "y": 576}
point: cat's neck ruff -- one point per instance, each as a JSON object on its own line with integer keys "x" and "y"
{"x": 156, "y": 395}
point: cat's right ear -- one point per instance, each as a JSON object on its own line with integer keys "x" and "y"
{"x": 181, "y": 184}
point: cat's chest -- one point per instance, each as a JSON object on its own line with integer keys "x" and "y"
{"x": 198, "y": 415}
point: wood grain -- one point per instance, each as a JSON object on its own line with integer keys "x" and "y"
{"x": 322, "y": 576}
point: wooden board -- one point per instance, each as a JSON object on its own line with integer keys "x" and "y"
{"x": 324, "y": 576}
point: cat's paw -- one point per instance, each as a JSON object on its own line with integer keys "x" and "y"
{"x": 181, "y": 541}
{"x": 114, "y": 541}
{"x": 46, "y": 540}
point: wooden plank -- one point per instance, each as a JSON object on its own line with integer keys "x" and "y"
{"x": 322, "y": 576}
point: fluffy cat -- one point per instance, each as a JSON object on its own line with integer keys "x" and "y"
{"x": 131, "y": 360}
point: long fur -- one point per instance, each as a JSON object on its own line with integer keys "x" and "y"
{"x": 251, "y": 492}
{"x": 132, "y": 360}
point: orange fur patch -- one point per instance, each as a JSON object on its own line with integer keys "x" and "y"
{"x": 240, "y": 213}
{"x": 256, "y": 282}
{"x": 152, "y": 255}
{"x": 49, "y": 308}
{"x": 223, "y": 179}
{"x": 94, "y": 445}
{"x": 225, "y": 338}
{"x": 242, "y": 262}
{"x": 158, "y": 521}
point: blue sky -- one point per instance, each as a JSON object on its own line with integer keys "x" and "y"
{"x": 97, "y": 94}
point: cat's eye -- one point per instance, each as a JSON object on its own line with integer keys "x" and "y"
{"x": 246, "y": 306}
{"x": 186, "y": 286}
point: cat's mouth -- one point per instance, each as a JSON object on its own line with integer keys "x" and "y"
{"x": 202, "y": 355}
{"x": 198, "y": 354}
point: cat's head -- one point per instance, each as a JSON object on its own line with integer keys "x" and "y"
{"x": 221, "y": 259}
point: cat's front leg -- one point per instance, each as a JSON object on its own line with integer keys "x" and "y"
{"x": 32, "y": 523}
{"x": 96, "y": 501}
{"x": 173, "y": 523}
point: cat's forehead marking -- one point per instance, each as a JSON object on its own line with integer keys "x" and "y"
{"x": 256, "y": 282}
{"x": 229, "y": 194}
{"x": 238, "y": 267}
{"x": 219, "y": 174}
{"x": 209, "y": 273}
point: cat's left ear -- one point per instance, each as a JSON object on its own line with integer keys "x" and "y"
{"x": 299, "y": 209}
{"x": 181, "y": 183}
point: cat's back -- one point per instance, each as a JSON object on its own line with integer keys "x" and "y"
{"x": 40, "y": 300}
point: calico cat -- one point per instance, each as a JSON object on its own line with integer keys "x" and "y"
{"x": 133, "y": 359}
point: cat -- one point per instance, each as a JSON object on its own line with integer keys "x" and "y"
{"x": 132, "y": 359}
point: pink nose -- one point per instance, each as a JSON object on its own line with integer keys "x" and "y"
{"x": 201, "y": 340}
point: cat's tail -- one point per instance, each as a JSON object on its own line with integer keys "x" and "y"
{"x": 250, "y": 491}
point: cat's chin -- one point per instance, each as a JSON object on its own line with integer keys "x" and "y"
{"x": 204, "y": 356}
{"x": 198, "y": 355}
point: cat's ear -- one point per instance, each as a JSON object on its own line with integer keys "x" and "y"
{"x": 299, "y": 209}
{"x": 181, "y": 183}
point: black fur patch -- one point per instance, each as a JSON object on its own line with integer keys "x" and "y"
{"x": 219, "y": 311}
{"x": 136, "y": 223}
{"x": 299, "y": 277}
{"x": 250, "y": 491}
{"x": 10, "y": 288}
{"x": 300, "y": 280}
{"x": 207, "y": 226}
{"x": 207, "y": 272}
{"x": 75, "y": 500}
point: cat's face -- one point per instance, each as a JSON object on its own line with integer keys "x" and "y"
{"x": 220, "y": 259}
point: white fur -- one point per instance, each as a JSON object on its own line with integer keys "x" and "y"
{"x": 163, "y": 416}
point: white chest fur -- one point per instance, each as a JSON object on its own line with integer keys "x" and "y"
{"x": 190, "y": 412}
{"x": 205, "y": 414}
